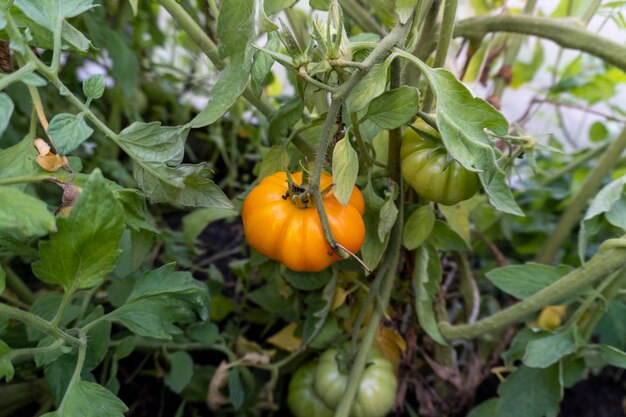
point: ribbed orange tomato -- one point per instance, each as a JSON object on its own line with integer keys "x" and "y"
{"x": 275, "y": 226}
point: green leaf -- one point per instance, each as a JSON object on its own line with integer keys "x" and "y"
{"x": 462, "y": 120}
{"x": 195, "y": 222}
{"x": 274, "y": 160}
{"x": 68, "y": 131}
{"x": 524, "y": 72}
{"x": 307, "y": 281}
{"x": 405, "y": 9}
{"x": 85, "y": 248}
{"x": 157, "y": 151}
{"x": 485, "y": 409}
{"x": 228, "y": 87}
{"x": 546, "y": 351}
{"x": 3, "y": 280}
{"x": 46, "y": 12}
{"x": 323, "y": 5}
{"x": 345, "y": 170}
{"x": 445, "y": 239}
{"x": 275, "y": 6}
{"x": 134, "y": 4}
{"x": 263, "y": 62}
{"x": 161, "y": 298}
{"x": 93, "y": 87}
{"x": 393, "y": 108}
{"x": 530, "y": 392}
{"x": 236, "y": 392}
{"x": 426, "y": 280}
{"x": 418, "y": 227}
{"x": 611, "y": 355}
{"x": 3, "y": 20}
{"x": 187, "y": 185}
{"x": 285, "y": 117}
{"x": 370, "y": 87}
{"x": 26, "y": 215}
{"x": 235, "y": 26}
{"x": 522, "y": 281}
{"x": 6, "y": 367}
{"x": 388, "y": 215}
{"x": 18, "y": 160}
{"x": 373, "y": 248}
{"x": 6, "y": 110}
{"x": 206, "y": 333}
{"x": 88, "y": 399}
{"x": 151, "y": 142}
{"x": 181, "y": 371}
{"x": 598, "y": 132}
{"x": 611, "y": 329}
{"x": 603, "y": 202}
{"x": 235, "y": 30}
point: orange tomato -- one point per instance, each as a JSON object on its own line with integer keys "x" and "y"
{"x": 280, "y": 230}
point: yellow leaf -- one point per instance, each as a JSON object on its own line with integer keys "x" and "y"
{"x": 339, "y": 297}
{"x": 285, "y": 338}
{"x": 51, "y": 162}
{"x": 391, "y": 344}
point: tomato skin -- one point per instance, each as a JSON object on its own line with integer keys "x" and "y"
{"x": 424, "y": 168}
{"x": 301, "y": 397}
{"x": 283, "y": 232}
{"x": 377, "y": 389}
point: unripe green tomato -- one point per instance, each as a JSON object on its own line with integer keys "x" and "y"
{"x": 376, "y": 392}
{"x": 302, "y": 399}
{"x": 424, "y": 168}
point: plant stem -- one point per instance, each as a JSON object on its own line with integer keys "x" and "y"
{"x": 589, "y": 188}
{"x": 67, "y": 296}
{"x": 9, "y": 79}
{"x": 82, "y": 354}
{"x": 34, "y": 350}
{"x": 27, "y": 179}
{"x": 591, "y": 10}
{"x": 15, "y": 283}
{"x": 606, "y": 261}
{"x": 396, "y": 36}
{"x": 361, "y": 17}
{"x": 56, "y": 50}
{"x": 561, "y": 31}
{"x": 445, "y": 36}
{"x": 389, "y": 267}
{"x": 38, "y": 323}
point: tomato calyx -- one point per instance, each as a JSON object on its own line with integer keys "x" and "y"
{"x": 299, "y": 194}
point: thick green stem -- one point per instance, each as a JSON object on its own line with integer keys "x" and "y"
{"x": 389, "y": 267}
{"x": 605, "y": 262}
{"x": 38, "y": 323}
{"x": 28, "y": 179}
{"x": 564, "y": 32}
{"x": 509, "y": 58}
{"x": 15, "y": 284}
{"x": 445, "y": 36}
{"x": 396, "y": 36}
{"x": 9, "y": 79}
{"x": 589, "y": 188}
{"x": 361, "y": 17}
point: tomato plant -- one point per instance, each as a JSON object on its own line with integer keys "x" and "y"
{"x": 431, "y": 171}
{"x": 325, "y": 207}
{"x": 281, "y": 222}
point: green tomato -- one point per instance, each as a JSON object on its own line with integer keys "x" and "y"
{"x": 425, "y": 167}
{"x": 302, "y": 399}
{"x": 376, "y": 392}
